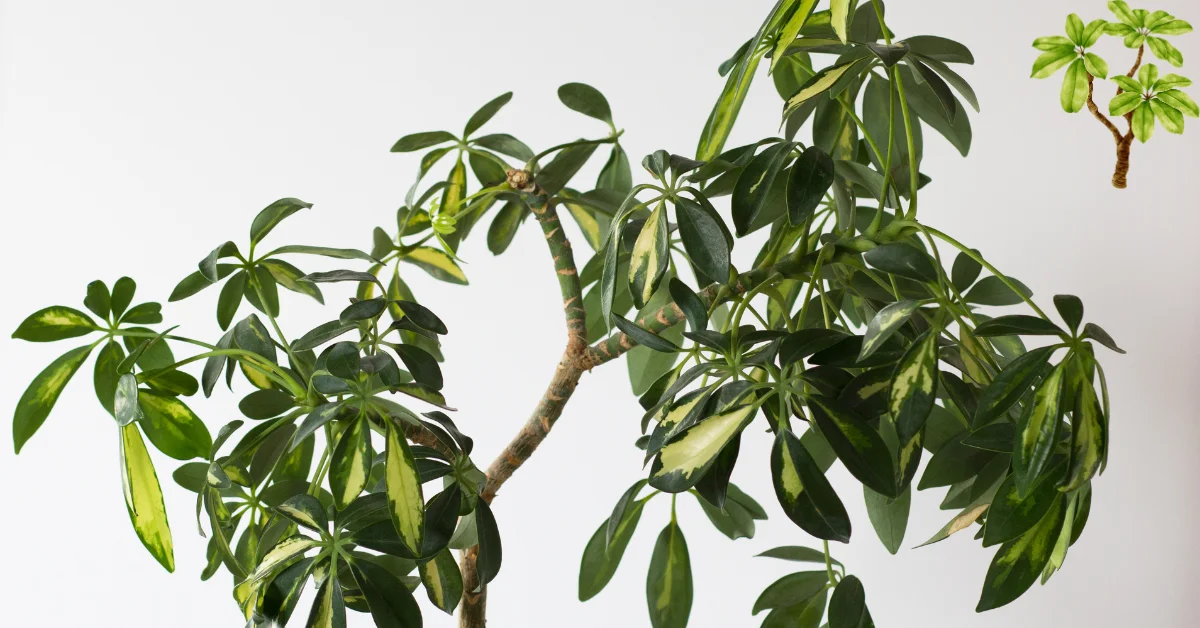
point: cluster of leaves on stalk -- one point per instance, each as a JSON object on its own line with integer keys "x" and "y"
{"x": 1142, "y": 96}
{"x": 849, "y": 338}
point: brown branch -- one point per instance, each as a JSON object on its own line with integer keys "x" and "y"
{"x": 472, "y": 613}
{"x": 1091, "y": 104}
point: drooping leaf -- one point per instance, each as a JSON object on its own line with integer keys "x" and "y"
{"x": 669, "y": 580}
{"x": 804, "y": 493}
{"x": 143, "y": 498}
{"x": 39, "y": 398}
{"x": 1037, "y": 430}
{"x": 1019, "y": 562}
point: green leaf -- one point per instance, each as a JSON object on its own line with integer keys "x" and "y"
{"x": 1075, "y": 28}
{"x": 405, "y": 498}
{"x": 848, "y": 605}
{"x": 1070, "y": 308}
{"x": 307, "y": 512}
{"x": 798, "y": 554}
{"x": 125, "y": 407}
{"x": 350, "y": 465}
{"x": 490, "y": 552}
{"x": 143, "y": 498}
{"x": 1012, "y": 515}
{"x": 1050, "y": 61}
{"x": 586, "y": 100}
{"x": 1097, "y": 333}
{"x": 329, "y": 610}
{"x": 1143, "y": 122}
{"x": 1179, "y": 101}
{"x": 669, "y": 580}
{"x": 39, "y": 398}
{"x": 803, "y": 491}
{"x": 1171, "y": 119}
{"x": 1074, "y": 88}
{"x": 791, "y": 590}
{"x": 1051, "y": 43}
{"x": 681, "y": 463}
{"x": 265, "y": 404}
{"x": 322, "y": 334}
{"x": 485, "y": 113}
{"x": 605, "y": 549}
{"x": 690, "y": 304}
{"x": 442, "y": 580}
{"x": 57, "y": 322}
{"x": 940, "y": 49}
{"x": 437, "y": 263}
{"x": 703, "y": 237}
{"x": 808, "y": 181}
{"x": 725, "y": 111}
{"x": 903, "y": 260}
{"x": 272, "y": 215}
{"x": 122, "y": 295}
{"x": 106, "y": 375}
{"x": 172, "y": 426}
{"x": 1164, "y": 50}
{"x": 323, "y": 251}
{"x": 992, "y": 291}
{"x": 1018, "y": 324}
{"x": 1095, "y": 66}
{"x": 1172, "y": 27}
{"x": 858, "y": 446}
{"x": 230, "y": 299}
{"x": 263, "y": 292}
{"x": 820, "y": 83}
{"x": 390, "y": 602}
{"x": 1125, "y": 102}
{"x": 787, "y": 34}
{"x": 643, "y": 336}
{"x": 1019, "y": 562}
{"x": 417, "y": 141}
{"x": 1121, "y": 9}
{"x": 886, "y": 323}
{"x": 1010, "y": 385}
{"x": 1037, "y": 430}
{"x": 753, "y": 186}
{"x": 1088, "y": 431}
{"x": 650, "y": 257}
{"x": 251, "y": 335}
{"x": 98, "y": 300}
{"x": 914, "y": 387}
{"x": 1148, "y": 76}
{"x": 888, "y": 516}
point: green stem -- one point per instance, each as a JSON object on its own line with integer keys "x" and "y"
{"x": 828, "y": 561}
{"x": 608, "y": 140}
{"x": 992, "y": 269}
{"x": 287, "y": 347}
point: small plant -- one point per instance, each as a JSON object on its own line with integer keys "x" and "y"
{"x": 1140, "y": 101}
{"x": 851, "y": 336}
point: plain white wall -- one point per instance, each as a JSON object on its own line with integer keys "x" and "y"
{"x": 135, "y": 136}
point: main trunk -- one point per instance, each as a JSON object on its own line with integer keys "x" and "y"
{"x": 1122, "y": 169}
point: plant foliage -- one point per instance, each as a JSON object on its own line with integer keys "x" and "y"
{"x": 858, "y": 335}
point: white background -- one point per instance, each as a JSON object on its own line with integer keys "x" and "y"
{"x": 135, "y": 136}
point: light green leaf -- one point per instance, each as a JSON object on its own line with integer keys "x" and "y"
{"x": 789, "y": 31}
{"x": 437, "y": 263}
{"x": 1050, "y": 61}
{"x": 1074, "y": 88}
{"x": 1121, "y": 9}
{"x": 841, "y": 11}
{"x": 1095, "y": 65}
{"x": 1164, "y": 50}
{"x": 1092, "y": 32}
{"x": 1179, "y": 101}
{"x": 1075, "y": 29}
{"x": 1172, "y": 27}
{"x": 143, "y": 497}
{"x": 1171, "y": 119}
{"x": 1124, "y": 103}
{"x": 1148, "y": 76}
{"x": 1171, "y": 82}
{"x": 1037, "y": 431}
{"x": 650, "y": 257}
{"x": 1127, "y": 84}
{"x": 1143, "y": 123}
{"x": 1051, "y": 43}
{"x": 172, "y": 426}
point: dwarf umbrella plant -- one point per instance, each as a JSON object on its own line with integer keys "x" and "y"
{"x": 856, "y": 335}
{"x": 1142, "y": 96}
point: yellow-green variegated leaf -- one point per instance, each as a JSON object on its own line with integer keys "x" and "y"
{"x": 284, "y": 553}
{"x": 682, "y": 463}
{"x": 442, "y": 580}
{"x": 592, "y": 230}
{"x": 1087, "y": 432}
{"x": 54, "y": 323}
{"x": 840, "y": 14}
{"x": 350, "y": 464}
{"x": 1059, "y": 555}
{"x": 143, "y": 497}
{"x": 1073, "y": 95}
{"x": 790, "y": 30}
{"x": 329, "y": 609}
{"x": 805, "y": 494}
{"x": 914, "y": 387}
{"x": 650, "y": 257}
{"x": 1019, "y": 562}
{"x": 884, "y": 324}
{"x": 437, "y": 263}
{"x": 172, "y": 426}
{"x": 41, "y": 395}
{"x": 817, "y": 85}
{"x": 1037, "y": 431}
{"x": 669, "y": 580}
{"x": 256, "y": 376}
{"x": 456, "y": 187}
{"x": 405, "y": 500}
{"x": 1179, "y": 101}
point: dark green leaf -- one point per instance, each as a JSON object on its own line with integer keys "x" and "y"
{"x": 607, "y": 546}
{"x": 940, "y": 49}
{"x": 39, "y": 398}
{"x": 669, "y": 580}
{"x": 586, "y": 100}
{"x": 903, "y": 260}
{"x": 230, "y": 299}
{"x": 1037, "y": 431}
{"x": 808, "y": 181}
{"x": 889, "y": 517}
{"x": 803, "y": 491}
{"x": 691, "y": 305}
{"x": 272, "y": 215}
{"x": 365, "y": 309}
{"x": 322, "y": 334}
{"x": 1011, "y": 515}
{"x": 965, "y": 271}
{"x": 848, "y": 605}
{"x": 750, "y": 192}
{"x": 485, "y": 113}
{"x": 1070, "y": 307}
{"x": 992, "y": 291}
{"x": 791, "y": 589}
{"x": 703, "y": 238}
{"x": 1095, "y": 332}
{"x": 55, "y": 323}
{"x": 858, "y": 446}
{"x": 1018, "y": 324}
{"x": 417, "y": 141}
{"x": 1019, "y": 562}
{"x": 1010, "y": 385}
{"x": 643, "y": 336}
{"x": 490, "y": 553}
